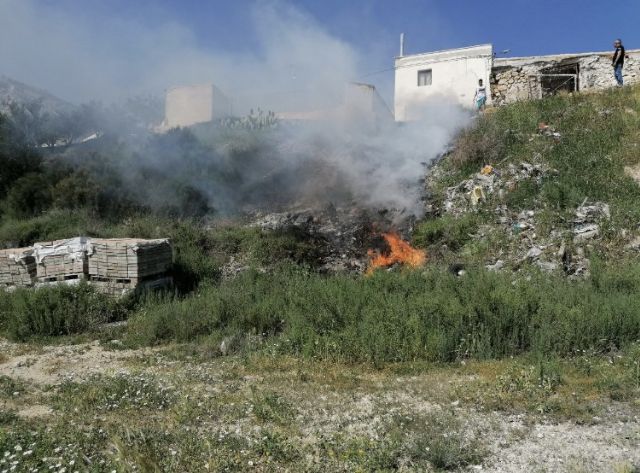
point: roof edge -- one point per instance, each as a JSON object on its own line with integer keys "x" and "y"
{"x": 450, "y": 50}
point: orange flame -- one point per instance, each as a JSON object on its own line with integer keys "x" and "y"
{"x": 401, "y": 252}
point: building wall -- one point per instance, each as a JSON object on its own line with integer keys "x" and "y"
{"x": 455, "y": 75}
{"x": 515, "y": 79}
{"x": 189, "y": 105}
{"x": 363, "y": 103}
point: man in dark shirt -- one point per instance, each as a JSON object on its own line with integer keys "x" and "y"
{"x": 618, "y": 61}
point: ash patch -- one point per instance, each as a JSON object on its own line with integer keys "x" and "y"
{"x": 343, "y": 235}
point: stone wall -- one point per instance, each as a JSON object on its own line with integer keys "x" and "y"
{"x": 519, "y": 78}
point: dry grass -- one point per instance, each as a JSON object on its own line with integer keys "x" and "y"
{"x": 280, "y": 412}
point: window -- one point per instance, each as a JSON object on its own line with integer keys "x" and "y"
{"x": 424, "y": 77}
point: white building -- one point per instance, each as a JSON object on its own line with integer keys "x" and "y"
{"x": 451, "y": 75}
{"x": 189, "y": 105}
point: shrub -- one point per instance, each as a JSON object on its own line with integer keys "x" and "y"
{"x": 59, "y": 310}
{"x": 52, "y": 225}
{"x": 428, "y": 315}
{"x": 29, "y": 196}
{"x": 76, "y": 191}
{"x": 486, "y": 143}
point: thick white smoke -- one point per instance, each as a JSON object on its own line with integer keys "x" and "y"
{"x": 297, "y": 66}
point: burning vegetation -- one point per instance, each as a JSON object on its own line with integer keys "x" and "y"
{"x": 395, "y": 251}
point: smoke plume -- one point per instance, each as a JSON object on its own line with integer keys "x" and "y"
{"x": 297, "y": 66}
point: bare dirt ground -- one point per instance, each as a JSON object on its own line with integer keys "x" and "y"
{"x": 324, "y": 401}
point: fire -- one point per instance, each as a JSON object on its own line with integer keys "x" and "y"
{"x": 400, "y": 252}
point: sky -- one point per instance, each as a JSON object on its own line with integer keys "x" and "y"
{"x": 108, "y": 49}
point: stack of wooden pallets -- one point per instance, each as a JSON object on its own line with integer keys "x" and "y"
{"x": 61, "y": 260}
{"x": 118, "y": 265}
{"x": 112, "y": 266}
{"x": 17, "y": 267}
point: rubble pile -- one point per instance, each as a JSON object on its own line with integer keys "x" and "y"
{"x": 523, "y": 240}
{"x": 466, "y": 195}
{"x": 343, "y": 235}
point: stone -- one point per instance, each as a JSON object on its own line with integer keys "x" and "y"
{"x": 497, "y": 266}
{"x": 534, "y": 253}
{"x": 634, "y": 244}
{"x": 585, "y": 232}
{"x": 590, "y": 213}
{"x": 548, "y": 266}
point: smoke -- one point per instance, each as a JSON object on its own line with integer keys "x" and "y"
{"x": 81, "y": 51}
{"x": 295, "y": 66}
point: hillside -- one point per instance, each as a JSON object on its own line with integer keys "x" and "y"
{"x": 13, "y": 91}
{"x": 515, "y": 347}
{"x": 552, "y": 184}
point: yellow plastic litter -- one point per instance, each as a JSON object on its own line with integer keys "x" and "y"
{"x": 488, "y": 169}
{"x": 477, "y": 194}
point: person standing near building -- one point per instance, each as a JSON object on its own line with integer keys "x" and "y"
{"x": 618, "y": 61}
{"x": 480, "y": 99}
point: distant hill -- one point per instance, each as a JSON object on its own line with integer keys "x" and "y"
{"x": 12, "y": 91}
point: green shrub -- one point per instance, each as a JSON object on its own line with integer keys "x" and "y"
{"x": 429, "y": 315}
{"x": 59, "y": 310}
{"x": 29, "y": 196}
{"x": 53, "y": 225}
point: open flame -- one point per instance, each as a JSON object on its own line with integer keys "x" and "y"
{"x": 400, "y": 252}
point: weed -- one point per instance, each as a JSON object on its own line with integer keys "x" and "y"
{"x": 276, "y": 447}
{"x": 450, "y": 231}
{"x": 9, "y": 387}
{"x": 270, "y": 407}
{"x": 121, "y": 392}
{"x": 441, "y": 439}
{"x": 7, "y": 417}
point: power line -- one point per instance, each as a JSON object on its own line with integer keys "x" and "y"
{"x": 423, "y": 63}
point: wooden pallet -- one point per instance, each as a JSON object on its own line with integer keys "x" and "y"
{"x": 62, "y": 277}
{"x": 121, "y": 287}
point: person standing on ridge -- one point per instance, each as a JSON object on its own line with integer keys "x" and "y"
{"x": 618, "y": 61}
{"x": 480, "y": 99}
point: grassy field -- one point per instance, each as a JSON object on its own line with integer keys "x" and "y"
{"x": 182, "y": 408}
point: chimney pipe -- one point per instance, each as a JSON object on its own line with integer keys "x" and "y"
{"x": 401, "y": 44}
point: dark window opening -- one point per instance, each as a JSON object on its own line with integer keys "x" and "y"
{"x": 560, "y": 78}
{"x": 425, "y": 77}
